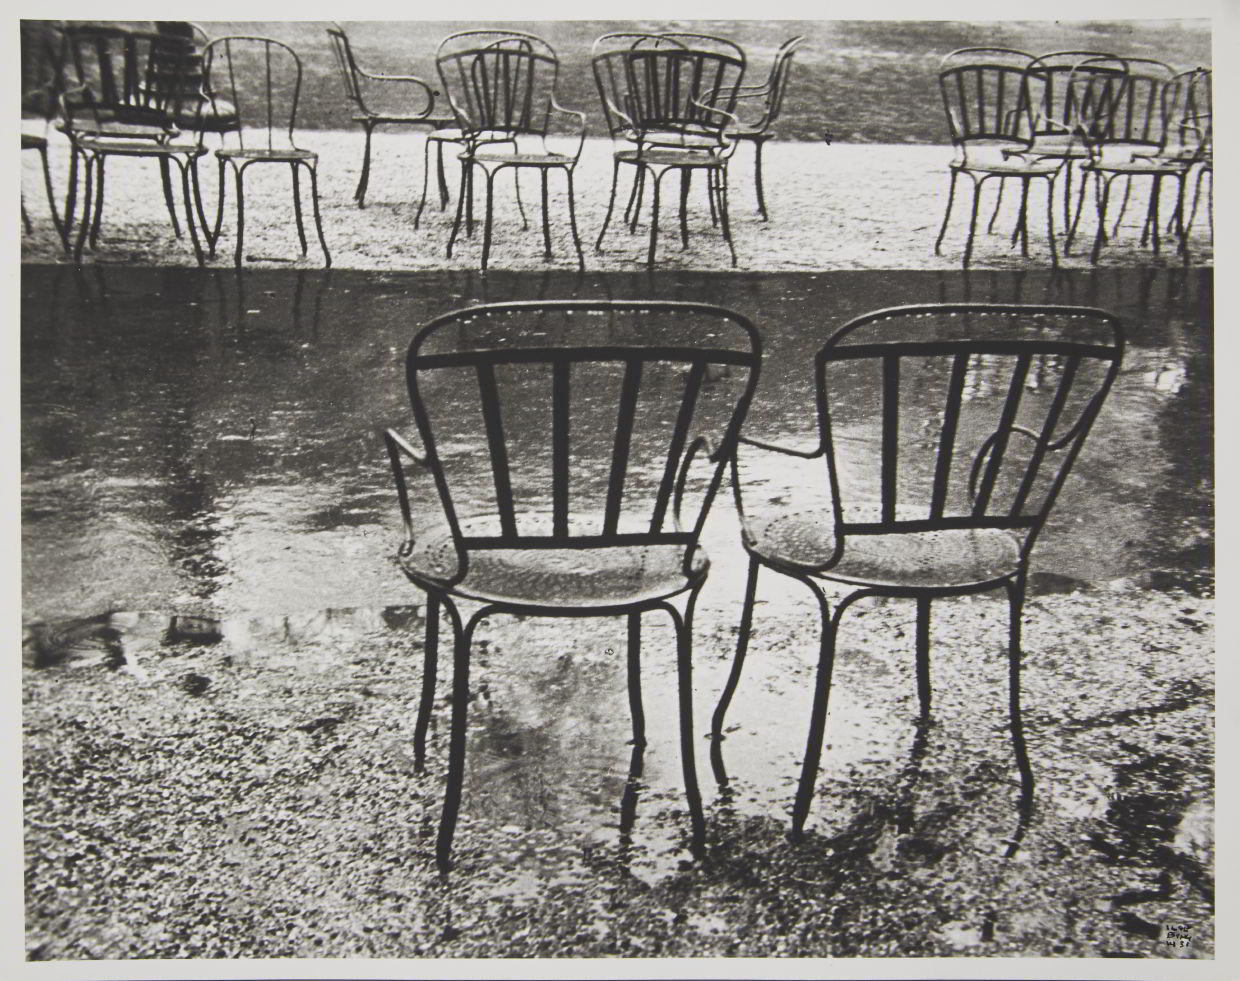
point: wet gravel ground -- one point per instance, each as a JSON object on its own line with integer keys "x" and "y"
{"x": 838, "y": 206}
{"x": 242, "y": 784}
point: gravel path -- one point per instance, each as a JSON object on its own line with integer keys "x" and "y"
{"x": 840, "y": 206}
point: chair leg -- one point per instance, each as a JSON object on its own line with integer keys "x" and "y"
{"x": 724, "y": 220}
{"x": 187, "y": 193}
{"x": 757, "y": 177}
{"x": 818, "y": 713}
{"x": 318, "y": 217}
{"x": 628, "y": 801}
{"x": 466, "y": 166}
{"x": 1123, "y": 207}
{"x": 968, "y": 248}
{"x": 87, "y": 202}
{"x": 97, "y": 221}
{"x": 1155, "y": 194}
{"x": 456, "y": 742}
{"x": 516, "y": 181}
{"x": 487, "y": 221}
{"x": 654, "y": 219}
{"x": 430, "y": 666}
{"x": 240, "y": 213}
{"x": 219, "y": 208}
{"x": 632, "y": 214}
{"x": 1104, "y": 193}
{"x": 712, "y": 197}
{"x": 71, "y": 195}
{"x": 165, "y": 178}
{"x": 686, "y": 177}
{"x": 572, "y": 220}
{"x": 301, "y": 225}
{"x": 51, "y": 198}
{"x": 1050, "y": 220}
{"x": 363, "y": 181}
{"x": 200, "y": 211}
{"x": 951, "y": 196}
{"x": 1016, "y": 602}
{"x": 444, "y": 195}
{"x": 611, "y": 203}
{"x": 990, "y": 227}
{"x": 1074, "y": 219}
{"x": 426, "y": 175}
{"x": 1022, "y": 227}
{"x": 683, "y": 623}
{"x": 734, "y": 677}
{"x": 26, "y": 219}
{"x": 923, "y": 656}
{"x": 546, "y": 218}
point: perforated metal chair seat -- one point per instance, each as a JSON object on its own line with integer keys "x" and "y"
{"x": 435, "y": 122}
{"x": 699, "y": 157}
{"x": 218, "y": 118}
{"x": 1153, "y": 163}
{"x": 140, "y": 147}
{"x": 548, "y": 159}
{"x": 1014, "y": 165}
{"x": 958, "y": 557}
{"x": 571, "y": 577}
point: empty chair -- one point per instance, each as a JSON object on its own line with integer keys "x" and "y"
{"x": 395, "y": 100}
{"x": 1136, "y": 134}
{"x": 123, "y": 92}
{"x": 42, "y": 98}
{"x": 261, "y": 79}
{"x": 991, "y": 129}
{"x": 575, "y": 448}
{"x": 948, "y": 431}
{"x": 771, "y": 93}
{"x": 668, "y": 108}
{"x": 502, "y": 88}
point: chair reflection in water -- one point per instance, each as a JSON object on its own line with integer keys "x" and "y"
{"x": 948, "y": 431}
{"x": 575, "y": 448}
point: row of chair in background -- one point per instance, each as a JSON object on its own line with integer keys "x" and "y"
{"x": 1014, "y": 115}
{"x": 581, "y": 505}
{"x": 668, "y": 101}
{"x": 156, "y": 95}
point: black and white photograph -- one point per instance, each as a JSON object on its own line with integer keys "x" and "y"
{"x": 732, "y": 497}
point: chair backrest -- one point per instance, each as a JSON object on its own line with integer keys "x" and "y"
{"x": 260, "y": 79}
{"x": 115, "y": 81}
{"x": 1140, "y": 115}
{"x": 704, "y": 42}
{"x": 777, "y": 81}
{"x": 498, "y": 81}
{"x": 1071, "y": 92}
{"x": 986, "y": 103}
{"x": 346, "y": 65}
{"x": 1198, "y": 116}
{"x": 579, "y": 423}
{"x": 666, "y": 89}
{"x": 960, "y": 415}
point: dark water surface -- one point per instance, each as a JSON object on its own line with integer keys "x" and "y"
{"x": 203, "y": 442}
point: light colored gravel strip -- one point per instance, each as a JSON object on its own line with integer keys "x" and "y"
{"x": 841, "y": 206}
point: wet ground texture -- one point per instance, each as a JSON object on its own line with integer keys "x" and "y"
{"x": 223, "y": 663}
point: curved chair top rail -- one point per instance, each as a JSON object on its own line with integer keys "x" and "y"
{"x": 1066, "y": 59}
{"x": 501, "y": 85}
{"x": 688, "y": 41}
{"x": 775, "y": 87}
{"x": 271, "y": 105}
{"x": 985, "y": 54}
{"x": 478, "y": 40}
{"x": 986, "y": 103}
{"x": 353, "y": 76}
{"x": 1017, "y": 389}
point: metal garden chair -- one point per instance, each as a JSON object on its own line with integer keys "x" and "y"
{"x": 1136, "y": 134}
{"x": 358, "y": 83}
{"x": 122, "y": 95}
{"x": 992, "y": 132}
{"x": 261, "y": 79}
{"x": 43, "y": 99}
{"x": 1009, "y": 393}
{"x": 772, "y": 93}
{"x": 620, "y": 411}
{"x": 503, "y": 91}
{"x": 669, "y": 108}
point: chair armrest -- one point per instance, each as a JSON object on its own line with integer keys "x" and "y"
{"x": 581, "y": 125}
{"x": 712, "y": 454}
{"x": 1051, "y": 447}
{"x": 429, "y": 93}
{"x": 397, "y": 448}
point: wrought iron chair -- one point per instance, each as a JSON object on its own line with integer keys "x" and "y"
{"x": 1012, "y": 391}
{"x": 669, "y": 108}
{"x": 631, "y": 440}
{"x": 771, "y": 92}
{"x": 1136, "y": 134}
{"x": 503, "y": 91}
{"x": 1053, "y": 89}
{"x": 358, "y": 82}
{"x": 123, "y": 92}
{"x": 261, "y": 79}
{"x": 992, "y": 132}
{"x": 43, "y": 99}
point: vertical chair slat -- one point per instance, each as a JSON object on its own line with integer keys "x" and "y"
{"x": 624, "y": 435}
{"x": 1048, "y": 432}
{"x": 1003, "y": 432}
{"x": 489, "y": 392}
{"x": 891, "y": 434}
{"x": 560, "y": 404}
{"x": 693, "y": 385}
{"x": 947, "y": 436}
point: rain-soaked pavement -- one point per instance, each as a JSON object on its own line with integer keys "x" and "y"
{"x": 223, "y": 661}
